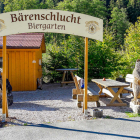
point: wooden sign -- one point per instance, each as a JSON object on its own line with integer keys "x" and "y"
{"x": 56, "y": 21}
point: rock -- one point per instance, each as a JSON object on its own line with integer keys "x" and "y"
{"x": 138, "y": 101}
{"x": 98, "y": 113}
{"x": 135, "y": 108}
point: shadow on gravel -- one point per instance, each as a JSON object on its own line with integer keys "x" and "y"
{"x": 33, "y": 96}
{"x": 50, "y": 93}
{"x": 35, "y": 107}
{"x": 32, "y": 107}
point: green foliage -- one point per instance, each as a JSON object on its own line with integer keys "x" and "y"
{"x": 66, "y": 56}
{"x": 107, "y": 117}
{"x": 58, "y": 59}
{"x": 14, "y": 5}
{"x": 132, "y": 46}
{"x": 103, "y": 59}
{"x": 133, "y": 9}
{"x": 119, "y": 24}
{"x": 95, "y": 8}
{"x": 129, "y": 114}
{"x": 25, "y": 124}
{"x": 1, "y": 6}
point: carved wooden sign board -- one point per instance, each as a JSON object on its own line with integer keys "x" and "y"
{"x": 55, "y": 21}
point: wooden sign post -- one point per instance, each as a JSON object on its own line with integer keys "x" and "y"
{"x": 4, "y": 95}
{"x": 86, "y": 76}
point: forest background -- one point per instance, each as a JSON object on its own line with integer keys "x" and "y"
{"x": 114, "y": 57}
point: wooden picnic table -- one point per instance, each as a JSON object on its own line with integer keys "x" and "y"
{"x": 106, "y": 88}
{"x": 64, "y": 74}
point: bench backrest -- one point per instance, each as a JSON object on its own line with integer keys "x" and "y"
{"x": 77, "y": 84}
{"x": 129, "y": 78}
{"x": 81, "y": 91}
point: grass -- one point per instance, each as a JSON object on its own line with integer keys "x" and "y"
{"x": 129, "y": 114}
{"x": 94, "y": 118}
{"x": 107, "y": 117}
{"x": 25, "y": 124}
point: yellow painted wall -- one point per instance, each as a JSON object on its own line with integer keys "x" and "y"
{"x": 7, "y": 64}
{"x": 22, "y": 74}
{"x": 39, "y": 56}
{"x": 38, "y": 67}
{"x": 23, "y": 68}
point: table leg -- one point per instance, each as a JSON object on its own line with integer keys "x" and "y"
{"x": 101, "y": 88}
{"x": 72, "y": 75}
{"x": 67, "y": 77}
{"x": 63, "y": 78}
{"x": 116, "y": 97}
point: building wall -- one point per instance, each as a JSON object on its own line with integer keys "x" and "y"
{"x": 7, "y": 64}
{"x": 39, "y": 57}
{"x": 23, "y": 68}
{"x": 38, "y": 67}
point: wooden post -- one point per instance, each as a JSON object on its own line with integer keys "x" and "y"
{"x": 86, "y": 76}
{"x": 4, "y": 94}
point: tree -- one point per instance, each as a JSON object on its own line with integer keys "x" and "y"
{"x": 119, "y": 24}
{"x": 132, "y": 43}
{"x": 1, "y": 6}
{"x": 112, "y": 4}
{"x": 95, "y": 8}
{"x": 14, "y": 5}
{"x": 133, "y": 9}
{"x": 132, "y": 47}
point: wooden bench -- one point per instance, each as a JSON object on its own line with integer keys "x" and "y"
{"x": 78, "y": 93}
{"x": 129, "y": 78}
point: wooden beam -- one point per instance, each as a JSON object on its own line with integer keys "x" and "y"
{"x": 65, "y": 82}
{"x": 4, "y": 95}
{"x": 64, "y": 73}
{"x": 115, "y": 95}
{"x": 90, "y": 98}
{"x": 106, "y": 91}
{"x": 86, "y": 76}
{"x": 117, "y": 104}
{"x": 76, "y": 84}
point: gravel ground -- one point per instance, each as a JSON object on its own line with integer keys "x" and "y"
{"x": 55, "y": 104}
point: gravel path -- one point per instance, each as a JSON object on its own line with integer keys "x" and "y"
{"x": 55, "y": 104}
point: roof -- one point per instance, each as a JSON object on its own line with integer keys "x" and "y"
{"x": 23, "y": 41}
